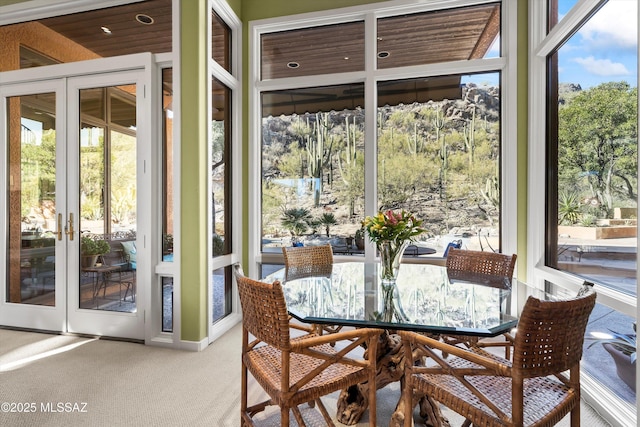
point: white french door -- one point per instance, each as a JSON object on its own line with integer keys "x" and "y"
{"x": 70, "y": 148}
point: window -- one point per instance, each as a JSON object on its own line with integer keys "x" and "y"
{"x": 584, "y": 212}
{"x": 592, "y": 147}
{"x": 167, "y": 165}
{"x": 220, "y": 169}
{"x": 224, "y": 139}
{"x": 431, "y": 142}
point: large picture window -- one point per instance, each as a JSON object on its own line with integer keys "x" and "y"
{"x": 590, "y": 173}
{"x": 435, "y": 136}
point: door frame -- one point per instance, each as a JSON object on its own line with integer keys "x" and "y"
{"x": 27, "y": 315}
{"x": 49, "y": 318}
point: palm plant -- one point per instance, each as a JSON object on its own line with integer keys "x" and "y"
{"x": 296, "y": 220}
{"x": 327, "y": 220}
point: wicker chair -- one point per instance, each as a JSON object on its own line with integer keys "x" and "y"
{"x": 491, "y": 263}
{"x": 462, "y": 261}
{"x": 488, "y": 390}
{"x": 297, "y": 370}
{"x": 306, "y": 261}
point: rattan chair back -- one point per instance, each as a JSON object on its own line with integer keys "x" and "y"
{"x": 264, "y": 311}
{"x": 495, "y": 264}
{"x": 551, "y": 335}
{"x": 301, "y": 261}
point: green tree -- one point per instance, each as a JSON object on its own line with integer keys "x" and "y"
{"x": 597, "y": 142}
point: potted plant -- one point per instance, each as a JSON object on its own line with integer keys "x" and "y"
{"x": 622, "y": 348}
{"x": 91, "y": 248}
{"x": 359, "y": 238}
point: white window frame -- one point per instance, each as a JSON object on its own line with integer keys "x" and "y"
{"x": 541, "y": 45}
{"x": 233, "y": 81}
{"x": 370, "y": 76}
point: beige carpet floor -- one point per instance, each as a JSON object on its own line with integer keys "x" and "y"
{"x": 56, "y": 380}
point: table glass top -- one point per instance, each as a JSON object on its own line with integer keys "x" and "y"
{"x": 425, "y": 298}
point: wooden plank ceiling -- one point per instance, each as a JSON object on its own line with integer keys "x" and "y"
{"x": 412, "y": 39}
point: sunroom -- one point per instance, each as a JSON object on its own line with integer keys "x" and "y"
{"x": 211, "y": 133}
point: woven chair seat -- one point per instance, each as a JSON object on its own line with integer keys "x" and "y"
{"x": 546, "y": 399}
{"x": 336, "y": 376}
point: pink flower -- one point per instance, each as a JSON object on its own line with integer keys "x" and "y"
{"x": 392, "y": 218}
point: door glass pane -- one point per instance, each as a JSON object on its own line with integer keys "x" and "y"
{"x": 222, "y": 288}
{"x": 108, "y": 253}
{"x": 31, "y": 216}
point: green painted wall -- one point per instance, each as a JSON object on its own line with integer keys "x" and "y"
{"x": 523, "y": 122}
{"x": 193, "y": 165}
{"x": 261, "y": 9}
{"x": 236, "y": 5}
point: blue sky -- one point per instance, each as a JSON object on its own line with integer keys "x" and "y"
{"x": 605, "y": 49}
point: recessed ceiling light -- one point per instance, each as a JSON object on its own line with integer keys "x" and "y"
{"x": 105, "y": 30}
{"x": 144, "y": 19}
{"x": 346, "y": 58}
{"x": 383, "y": 54}
{"x": 293, "y": 64}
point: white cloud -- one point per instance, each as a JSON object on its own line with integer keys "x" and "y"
{"x": 602, "y": 67}
{"x": 613, "y": 26}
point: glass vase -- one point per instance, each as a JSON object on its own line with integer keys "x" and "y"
{"x": 390, "y": 257}
{"x": 390, "y": 308}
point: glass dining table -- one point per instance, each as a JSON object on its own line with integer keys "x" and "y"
{"x": 426, "y": 298}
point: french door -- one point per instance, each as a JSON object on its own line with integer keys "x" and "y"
{"x": 70, "y": 150}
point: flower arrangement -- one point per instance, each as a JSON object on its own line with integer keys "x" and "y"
{"x": 392, "y": 232}
{"x": 392, "y": 226}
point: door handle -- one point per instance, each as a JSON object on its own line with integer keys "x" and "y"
{"x": 59, "y": 232}
{"x": 69, "y": 227}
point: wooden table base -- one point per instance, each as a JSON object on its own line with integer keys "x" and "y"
{"x": 353, "y": 402}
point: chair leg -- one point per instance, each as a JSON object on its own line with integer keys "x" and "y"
{"x": 284, "y": 416}
{"x": 324, "y": 412}
{"x": 298, "y": 416}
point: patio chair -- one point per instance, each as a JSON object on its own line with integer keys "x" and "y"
{"x": 487, "y": 390}
{"x": 297, "y": 370}
{"x": 307, "y": 261}
{"x": 462, "y": 261}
